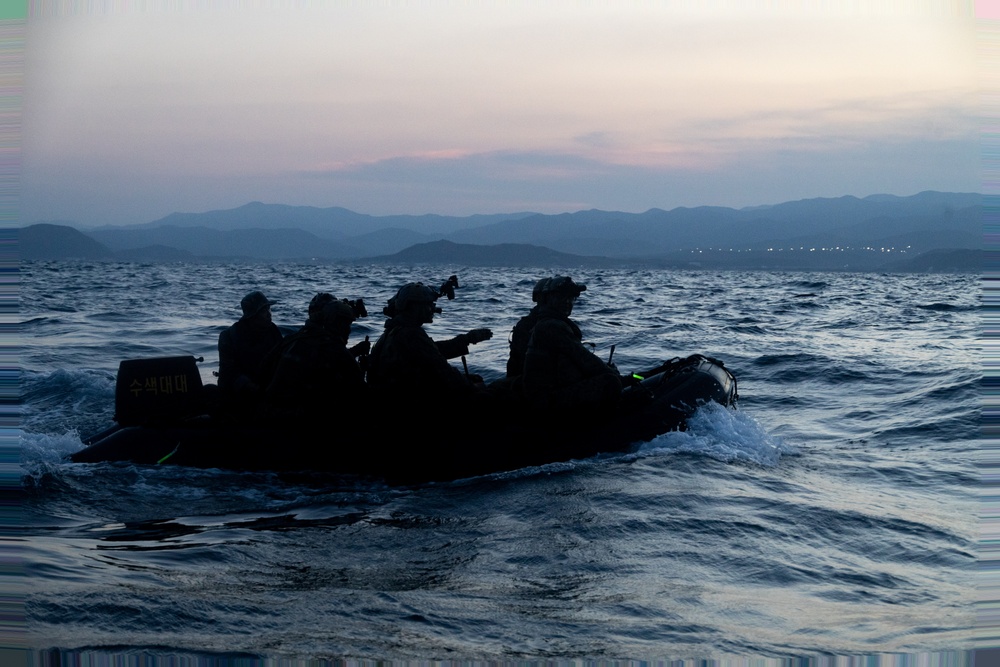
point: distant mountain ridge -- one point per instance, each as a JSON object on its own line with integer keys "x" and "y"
{"x": 504, "y": 254}
{"x": 842, "y": 221}
{"x": 331, "y": 223}
{"x": 917, "y": 224}
{"x": 50, "y": 241}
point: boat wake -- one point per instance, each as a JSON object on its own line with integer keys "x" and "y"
{"x": 723, "y": 434}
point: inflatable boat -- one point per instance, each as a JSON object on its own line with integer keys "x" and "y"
{"x": 162, "y": 420}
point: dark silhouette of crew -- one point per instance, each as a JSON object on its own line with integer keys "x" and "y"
{"x": 405, "y": 364}
{"x": 243, "y": 348}
{"x": 314, "y": 371}
{"x": 521, "y": 333}
{"x": 557, "y": 371}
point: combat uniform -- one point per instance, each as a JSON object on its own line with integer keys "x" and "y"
{"x": 560, "y": 373}
{"x": 315, "y": 374}
{"x": 242, "y": 349}
{"x": 406, "y": 363}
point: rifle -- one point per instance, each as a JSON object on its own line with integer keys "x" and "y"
{"x": 473, "y": 378}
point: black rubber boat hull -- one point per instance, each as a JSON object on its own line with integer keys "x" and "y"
{"x": 454, "y": 446}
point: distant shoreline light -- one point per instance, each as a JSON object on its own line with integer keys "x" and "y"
{"x": 804, "y": 249}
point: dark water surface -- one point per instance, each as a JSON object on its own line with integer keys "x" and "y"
{"x": 834, "y": 513}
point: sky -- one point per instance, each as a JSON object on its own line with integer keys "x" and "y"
{"x": 135, "y": 110}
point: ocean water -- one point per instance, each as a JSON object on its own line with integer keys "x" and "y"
{"x": 832, "y": 514}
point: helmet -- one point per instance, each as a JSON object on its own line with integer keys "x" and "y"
{"x": 556, "y": 286}
{"x": 539, "y": 288}
{"x": 336, "y": 312}
{"x": 254, "y": 302}
{"x": 335, "y": 317}
{"x": 413, "y": 293}
{"x": 317, "y": 303}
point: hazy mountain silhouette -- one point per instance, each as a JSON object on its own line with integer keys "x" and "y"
{"x": 50, "y": 241}
{"x": 276, "y": 244}
{"x": 505, "y": 254}
{"x": 749, "y": 237}
{"x": 841, "y": 221}
{"x": 332, "y": 223}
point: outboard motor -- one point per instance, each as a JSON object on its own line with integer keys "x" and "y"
{"x": 157, "y": 391}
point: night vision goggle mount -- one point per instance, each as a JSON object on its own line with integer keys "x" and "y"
{"x": 357, "y": 306}
{"x": 447, "y": 289}
{"x": 424, "y": 294}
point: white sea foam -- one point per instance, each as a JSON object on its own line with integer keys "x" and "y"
{"x": 83, "y": 399}
{"x": 84, "y": 381}
{"x": 50, "y": 448}
{"x": 42, "y": 454}
{"x": 726, "y": 435}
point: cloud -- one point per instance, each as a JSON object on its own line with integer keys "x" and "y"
{"x": 378, "y": 107}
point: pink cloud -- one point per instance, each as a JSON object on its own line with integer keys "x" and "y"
{"x": 423, "y": 156}
{"x": 988, "y": 9}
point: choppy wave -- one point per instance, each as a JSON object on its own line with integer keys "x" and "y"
{"x": 832, "y": 513}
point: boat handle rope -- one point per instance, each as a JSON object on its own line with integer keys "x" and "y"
{"x": 172, "y": 452}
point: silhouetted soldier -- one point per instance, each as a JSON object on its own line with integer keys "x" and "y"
{"x": 243, "y": 347}
{"x": 406, "y": 365}
{"x": 521, "y": 333}
{"x": 316, "y": 374}
{"x": 559, "y": 372}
